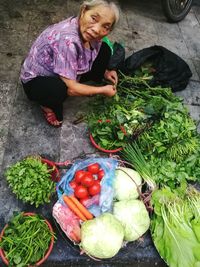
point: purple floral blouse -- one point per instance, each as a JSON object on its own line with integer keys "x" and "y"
{"x": 59, "y": 51}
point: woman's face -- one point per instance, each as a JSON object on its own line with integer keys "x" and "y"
{"x": 96, "y": 23}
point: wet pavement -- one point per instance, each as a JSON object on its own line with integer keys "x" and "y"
{"x": 23, "y": 130}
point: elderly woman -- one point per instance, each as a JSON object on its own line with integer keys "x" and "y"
{"x": 68, "y": 54}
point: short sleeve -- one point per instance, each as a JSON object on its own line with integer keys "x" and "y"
{"x": 65, "y": 59}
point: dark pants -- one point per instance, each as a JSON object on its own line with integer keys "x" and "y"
{"x": 51, "y": 91}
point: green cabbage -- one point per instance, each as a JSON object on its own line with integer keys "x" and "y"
{"x": 133, "y": 216}
{"x": 127, "y": 184}
{"x": 102, "y": 237}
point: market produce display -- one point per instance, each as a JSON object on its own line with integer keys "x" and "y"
{"x": 160, "y": 141}
{"x": 105, "y": 203}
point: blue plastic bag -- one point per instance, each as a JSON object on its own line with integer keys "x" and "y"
{"x": 106, "y": 196}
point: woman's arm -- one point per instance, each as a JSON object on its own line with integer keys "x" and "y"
{"x": 78, "y": 89}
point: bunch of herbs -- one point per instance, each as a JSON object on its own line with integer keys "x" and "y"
{"x": 173, "y": 137}
{"x": 30, "y": 179}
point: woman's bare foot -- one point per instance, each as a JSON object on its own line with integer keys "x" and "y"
{"x": 50, "y": 116}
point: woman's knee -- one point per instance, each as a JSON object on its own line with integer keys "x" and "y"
{"x": 43, "y": 88}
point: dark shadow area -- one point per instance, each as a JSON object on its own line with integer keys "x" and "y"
{"x": 196, "y": 2}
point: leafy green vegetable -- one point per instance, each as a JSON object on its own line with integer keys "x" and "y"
{"x": 132, "y": 111}
{"x": 173, "y": 137}
{"x": 30, "y": 180}
{"x": 107, "y": 134}
{"x": 175, "y": 226}
{"x": 133, "y": 216}
{"x": 171, "y": 173}
{"x": 26, "y": 240}
{"x": 102, "y": 237}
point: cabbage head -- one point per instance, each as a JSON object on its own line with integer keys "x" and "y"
{"x": 134, "y": 217}
{"x": 127, "y": 184}
{"x": 102, "y": 237}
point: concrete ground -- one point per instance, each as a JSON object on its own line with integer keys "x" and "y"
{"x": 23, "y": 130}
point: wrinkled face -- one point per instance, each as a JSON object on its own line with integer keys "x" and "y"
{"x": 96, "y": 23}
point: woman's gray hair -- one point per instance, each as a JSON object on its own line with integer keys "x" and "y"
{"x": 89, "y": 4}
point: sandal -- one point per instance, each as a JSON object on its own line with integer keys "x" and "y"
{"x": 50, "y": 117}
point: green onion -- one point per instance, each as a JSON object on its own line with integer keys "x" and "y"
{"x": 133, "y": 155}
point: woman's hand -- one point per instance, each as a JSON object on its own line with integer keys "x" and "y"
{"x": 111, "y": 75}
{"x": 109, "y": 90}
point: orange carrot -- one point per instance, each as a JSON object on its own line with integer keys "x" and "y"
{"x": 82, "y": 209}
{"x": 74, "y": 208}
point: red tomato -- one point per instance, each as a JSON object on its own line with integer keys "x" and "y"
{"x": 81, "y": 191}
{"x": 87, "y": 179}
{"x": 93, "y": 168}
{"x": 95, "y": 188}
{"x": 78, "y": 175}
{"x": 73, "y": 184}
{"x": 100, "y": 174}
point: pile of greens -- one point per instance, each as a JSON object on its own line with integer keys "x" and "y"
{"x": 134, "y": 110}
{"x": 173, "y": 137}
{"x": 26, "y": 240}
{"x": 113, "y": 122}
{"x": 30, "y": 180}
{"x": 157, "y": 119}
{"x": 175, "y": 225}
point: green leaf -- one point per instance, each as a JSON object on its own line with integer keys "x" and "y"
{"x": 17, "y": 259}
{"x": 120, "y": 135}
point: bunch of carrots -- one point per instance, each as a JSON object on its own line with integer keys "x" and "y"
{"x": 74, "y": 204}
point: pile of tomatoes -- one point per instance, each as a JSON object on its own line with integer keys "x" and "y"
{"x": 87, "y": 183}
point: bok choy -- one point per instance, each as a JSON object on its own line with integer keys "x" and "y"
{"x": 175, "y": 226}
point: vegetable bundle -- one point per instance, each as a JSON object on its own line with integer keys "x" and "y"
{"x": 175, "y": 226}
{"x": 30, "y": 179}
{"x": 135, "y": 108}
{"x": 26, "y": 240}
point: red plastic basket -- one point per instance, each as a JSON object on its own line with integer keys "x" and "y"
{"x": 102, "y": 149}
{"x": 55, "y": 175}
{"x": 2, "y": 254}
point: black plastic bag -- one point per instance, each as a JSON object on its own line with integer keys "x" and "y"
{"x": 170, "y": 70}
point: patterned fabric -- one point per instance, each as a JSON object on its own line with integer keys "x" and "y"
{"x": 59, "y": 51}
